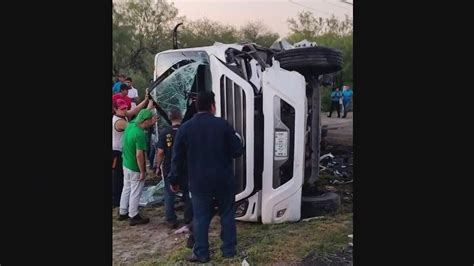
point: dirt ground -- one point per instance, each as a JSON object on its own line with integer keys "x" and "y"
{"x": 130, "y": 244}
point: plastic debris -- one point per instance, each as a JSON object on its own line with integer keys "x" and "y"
{"x": 152, "y": 195}
{"x": 182, "y": 230}
{"x": 312, "y": 218}
{"x": 325, "y": 156}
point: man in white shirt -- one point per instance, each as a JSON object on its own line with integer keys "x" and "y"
{"x": 132, "y": 93}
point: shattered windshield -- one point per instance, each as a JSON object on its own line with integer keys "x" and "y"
{"x": 174, "y": 90}
{"x": 166, "y": 60}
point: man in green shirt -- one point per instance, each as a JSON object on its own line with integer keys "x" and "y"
{"x": 134, "y": 166}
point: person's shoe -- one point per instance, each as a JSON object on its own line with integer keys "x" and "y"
{"x": 190, "y": 241}
{"x": 194, "y": 258}
{"x": 172, "y": 224}
{"x": 137, "y": 219}
{"x": 123, "y": 217}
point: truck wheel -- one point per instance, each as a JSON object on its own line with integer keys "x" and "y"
{"x": 316, "y": 60}
{"x": 326, "y": 203}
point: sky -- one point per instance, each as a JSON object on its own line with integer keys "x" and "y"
{"x": 273, "y": 13}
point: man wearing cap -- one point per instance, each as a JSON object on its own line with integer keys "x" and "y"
{"x": 123, "y": 94}
{"x": 134, "y": 165}
{"x": 120, "y": 79}
{"x": 165, "y": 145}
{"x": 206, "y": 145}
{"x": 120, "y": 118}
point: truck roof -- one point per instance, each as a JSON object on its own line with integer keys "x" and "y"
{"x": 217, "y": 49}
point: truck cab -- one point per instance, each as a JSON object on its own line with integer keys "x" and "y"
{"x": 267, "y": 106}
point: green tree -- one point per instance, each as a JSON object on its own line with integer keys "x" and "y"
{"x": 204, "y": 32}
{"x": 258, "y": 33}
{"x": 141, "y": 28}
{"x": 331, "y": 32}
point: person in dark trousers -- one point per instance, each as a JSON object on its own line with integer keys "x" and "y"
{"x": 165, "y": 145}
{"x": 347, "y": 98}
{"x": 206, "y": 145}
{"x": 336, "y": 97}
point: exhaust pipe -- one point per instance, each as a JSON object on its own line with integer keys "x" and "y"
{"x": 175, "y": 36}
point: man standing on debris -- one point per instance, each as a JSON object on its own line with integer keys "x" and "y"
{"x": 165, "y": 145}
{"x": 207, "y": 145}
{"x": 134, "y": 166}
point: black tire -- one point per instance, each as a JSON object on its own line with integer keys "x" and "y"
{"x": 316, "y": 60}
{"x": 326, "y": 203}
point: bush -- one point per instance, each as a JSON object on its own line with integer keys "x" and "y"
{"x": 325, "y": 99}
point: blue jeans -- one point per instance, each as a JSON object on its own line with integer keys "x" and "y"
{"x": 346, "y": 106}
{"x": 170, "y": 214}
{"x": 117, "y": 178}
{"x": 202, "y": 207}
{"x": 151, "y": 156}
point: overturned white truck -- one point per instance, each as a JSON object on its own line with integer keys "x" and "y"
{"x": 271, "y": 98}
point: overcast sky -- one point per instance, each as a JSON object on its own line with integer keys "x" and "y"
{"x": 272, "y": 13}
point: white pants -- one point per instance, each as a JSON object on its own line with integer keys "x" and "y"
{"x": 132, "y": 190}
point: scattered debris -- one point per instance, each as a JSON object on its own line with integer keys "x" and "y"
{"x": 182, "y": 230}
{"x": 325, "y": 156}
{"x": 312, "y": 218}
{"x": 152, "y": 195}
{"x": 337, "y": 182}
{"x": 342, "y": 257}
{"x": 339, "y": 166}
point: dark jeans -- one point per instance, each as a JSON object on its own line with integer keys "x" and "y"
{"x": 203, "y": 210}
{"x": 151, "y": 156}
{"x": 170, "y": 214}
{"x": 337, "y": 106}
{"x": 117, "y": 178}
{"x": 346, "y": 107}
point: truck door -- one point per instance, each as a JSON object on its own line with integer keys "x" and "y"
{"x": 284, "y": 110}
{"x": 235, "y": 102}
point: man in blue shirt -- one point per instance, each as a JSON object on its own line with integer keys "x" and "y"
{"x": 120, "y": 80}
{"x": 206, "y": 145}
{"x": 346, "y": 99}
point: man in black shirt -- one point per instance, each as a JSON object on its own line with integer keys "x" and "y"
{"x": 165, "y": 146}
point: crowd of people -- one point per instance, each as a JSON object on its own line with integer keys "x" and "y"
{"x": 193, "y": 155}
{"x": 340, "y": 101}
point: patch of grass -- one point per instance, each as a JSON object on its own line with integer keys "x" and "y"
{"x": 269, "y": 244}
